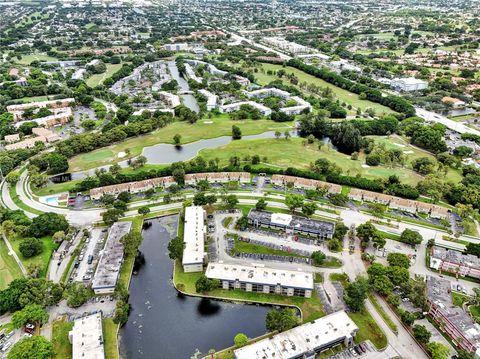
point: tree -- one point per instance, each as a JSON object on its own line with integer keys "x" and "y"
{"x": 287, "y": 134}
{"x": 131, "y": 242}
{"x": 122, "y": 309}
{"x": 293, "y": 201}
{"x": 421, "y": 333}
{"x": 36, "y": 347}
{"x": 111, "y": 216}
{"x": 177, "y": 139}
{"x": 334, "y": 245}
{"x": 47, "y": 224}
{"x": 408, "y": 317}
{"x": 277, "y": 134}
{"x": 240, "y": 340}
{"x": 398, "y": 260}
{"x": 125, "y": 197}
{"x": 366, "y": 232}
{"x": 230, "y": 201}
{"x": 318, "y": 258}
{"x": 437, "y": 350}
{"x": 204, "y": 284}
{"x": 424, "y": 165}
{"x": 12, "y": 178}
{"x": 236, "y": 132}
{"x": 309, "y": 208}
{"x": 261, "y": 204}
{"x": 175, "y": 248}
{"x": 57, "y": 163}
{"x": 30, "y": 247}
{"x": 356, "y": 293}
{"x": 32, "y": 313}
{"x": 59, "y": 236}
{"x": 411, "y": 237}
{"x": 144, "y": 210}
{"x": 77, "y": 295}
{"x": 281, "y": 320}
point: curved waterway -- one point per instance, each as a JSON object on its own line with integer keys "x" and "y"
{"x": 164, "y": 324}
{"x": 188, "y": 99}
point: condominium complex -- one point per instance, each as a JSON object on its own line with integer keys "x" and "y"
{"x": 194, "y": 238}
{"x": 291, "y": 224}
{"x": 111, "y": 259}
{"x": 305, "y": 341}
{"x": 305, "y": 183}
{"x": 261, "y": 279}
{"x": 86, "y": 337}
{"x": 456, "y": 262}
{"x": 453, "y": 320}
{"x": 409, "y": 84}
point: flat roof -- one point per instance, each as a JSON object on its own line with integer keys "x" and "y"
{"x": 302, "y": 339}
{"x": 296, "y": 222}
{"x": 260, "y": 274}
{"x": 193, "y": 237}
{"x": 87, "y": 338}
{"x": 456, "y": 257}
{"x": 111, "y": 258}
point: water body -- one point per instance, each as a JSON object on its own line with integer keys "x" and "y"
{"x": 165, "y": 154}
{"x": 188, "y": 99}
{"x": 164, "y": 324}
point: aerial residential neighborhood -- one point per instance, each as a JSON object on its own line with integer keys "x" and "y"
{"x": 214, "y": 179}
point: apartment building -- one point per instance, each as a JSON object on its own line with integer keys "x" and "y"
{"x": 305, "y": 183}
{"x": 261, "y": 279}
{"x": 194, "y": 239}
{"x": 456, "y": 262}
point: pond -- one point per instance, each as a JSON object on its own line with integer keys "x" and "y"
{"x": 188, "y": 99}
{"x": 164, "y": 324}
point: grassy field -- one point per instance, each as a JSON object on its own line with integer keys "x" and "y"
{"x": 61, "y": 345}
{"x": 110, "y": 338}
{"x": 203, "y": 129}
{"x": 282, "y": 153}
{"x": 368, "y": 329}
{"x": 241, "y": 246}
{"x": 28, "y": 59}
{"x": 55, "y": 188}
{"x": 98, "y": 79}
{"x": 343, "y": 95}
{"x": 42, "y": 260}
{"x": 9, "y": 269}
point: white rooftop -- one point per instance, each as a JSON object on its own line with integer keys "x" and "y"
{"x": 410, "y": 81}
{"x": 193, "y": 235}
{"x": 281, "y": 219}
{"x": 87, "y": 338}
{"x": 302, "y": 339}
{"x": 260, "y": 275}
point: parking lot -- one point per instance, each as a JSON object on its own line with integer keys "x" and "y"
{"x": 87, "y": 260}
{"x": 362, "y": 350}
{"x": 8, "y": 340}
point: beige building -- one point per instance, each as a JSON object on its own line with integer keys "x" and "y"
{"x": 86, "y": 337}
{"x": 194, "y": 239}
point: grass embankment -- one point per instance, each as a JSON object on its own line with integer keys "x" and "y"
{"x": 459, "y": 299}
{"x": 42, "y": 260}
{"x": 16, "y": 199}
{"x": 368, "y": 328}
{"x": 311, "y": 307}
{"x": 61, "y": 345}
{"x": 283, "y": 153}
{"x": 110, "y": 330}
{"x": 386, "y": 318}
{"x": 55, "y": 188}
{"x": 9, "y": 269}
{"x": 202, "y": 129}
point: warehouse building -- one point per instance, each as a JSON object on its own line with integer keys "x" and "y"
{"x": 111, "y": 259}
{"x": 261, "y": 279}
{"x": 194, "y": 238}
{"x": 86, "y": 337}
{"x": 291, "y": 224}
{"x": 305, "y": 341}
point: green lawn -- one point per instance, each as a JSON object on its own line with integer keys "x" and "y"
{"x": 28, "y": 59}
{"x": 458, "y": 298}
{"x": 16, "y": 199}
{"x": 9, "y": 269}
{"x": 383, "y": 314}
{"x": 241, "y": 246}
{"x": 61, "y": 345}
{"x": 42, "y": 259}
{"x": 110, "y": 338}
{"x": 282, "y": 153}
{"x": 55, "y": 188}
{"x": 98, "y": 79}
{"x": 368, "y": 329}
{"x": 343, "y": 95}
{"x": 475, "y": 312}
{"x": 203, "y": 129}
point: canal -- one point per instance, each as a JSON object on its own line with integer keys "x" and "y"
{"x": 164, "y": 324}
{"x": 188, "y": 99}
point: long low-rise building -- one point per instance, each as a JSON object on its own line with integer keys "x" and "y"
{"x": 291, "y": 224}
{"x": 261, "y": 279}
{"x": 301, "y": 104}
{"x": 217, "y": 177}
{"x": 305, "y": 341}
{"x": 456, "y": 262}
{"x": 165, "y": 182}
{"x": 111, "y": 259}
{"x": 18, "y": 110}
{"x": 211, "y": 99}
{"x": 232, "y": 107}
{"x": 60, "y": 118}
{"x": 453, "y": 320}
{"x": 86, "y": 337}
{"x": 194, "y": 239}
{"x": 305, "y": 183}
{"x": 397, "y": 203}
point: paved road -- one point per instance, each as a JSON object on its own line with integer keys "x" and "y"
{"x": 453, "y": 125}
